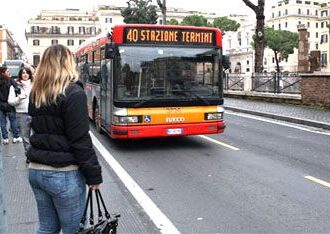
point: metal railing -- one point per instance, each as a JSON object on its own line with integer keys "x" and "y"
{"x": 276, "y": 83}
{"x": 233, "y": 82}
{"x": 288, "y": 83}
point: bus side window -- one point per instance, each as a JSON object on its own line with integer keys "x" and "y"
{"x": 85, "y": 73}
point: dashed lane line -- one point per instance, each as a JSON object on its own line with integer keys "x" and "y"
{"x": 218, "y": 142}
{"x": 155, "y": 214}
{"x": 316, "y": 180}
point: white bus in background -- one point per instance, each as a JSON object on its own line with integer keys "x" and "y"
{"x": 15, "y": 65}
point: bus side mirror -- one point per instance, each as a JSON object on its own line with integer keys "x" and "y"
{"x": 225, "y": 62}
{"x": 109, "y": 52}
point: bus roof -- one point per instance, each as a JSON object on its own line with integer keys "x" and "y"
{"x": 118, "y": 34}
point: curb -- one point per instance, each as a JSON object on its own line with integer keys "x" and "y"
{"x": 282, "y": 117}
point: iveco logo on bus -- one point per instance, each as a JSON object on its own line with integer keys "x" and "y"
{"x": 175, "y": 119}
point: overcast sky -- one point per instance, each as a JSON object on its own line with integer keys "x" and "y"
{"x": 15, "y": 13}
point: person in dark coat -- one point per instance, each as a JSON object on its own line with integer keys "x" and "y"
{"x": 6, "y": 110}
{"x": 62, "y": 158}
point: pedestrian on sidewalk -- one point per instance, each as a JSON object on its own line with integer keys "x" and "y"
{"x": 21, "y": 104}
{"x": 62, "y": 158}
{"x": 7, "y": 110}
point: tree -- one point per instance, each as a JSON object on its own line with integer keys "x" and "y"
{"x": 139, "y": 12}
{"x": 226, "y": 24}
{"x": 260, "y": 28}
{"x": 194, "y": 20}
{"x": 282, "y": 42}
{"x": 172, "y": 22}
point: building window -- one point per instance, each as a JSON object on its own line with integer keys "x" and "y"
{"x": 36, "y": 60}
{"x": 308, "y": 24}
{"x": 239, "y": 38}
{"x": 317, "y": 46}
{"x": 55, "y": 30}
{"x": 108, "y": 20}
{"x": 70, "y": 30}
{"x": 324, "y": 13}
{"x": 286, "y": 11}
{"x": 324, "y": 59}
{"x": 35, "y": 29}
{"x": 316, "y": 12}
{"x": 307, "y": 11}
{"x": 286, "y": 24}
{"x": 279, "y": 13}
{"x": 81, "y": 41}
{"x": 81, "y": 30}
{"x": 36, "y": 42}
{"x": 160, "y": 22}
{"x": 316, "y": 35}
{"x": 273, "y": 60}
{"x": 322, "y": 24}
{"x": 54, "y": 42}
{"x": 279, "y": 26}
{"x": 299, "y": 11}
{"x": 247, "y": 62}
{"x": 324, "y": 38}
{"x": 316, "y": 25}
{"x": 93, "y": 30}
{"x": 70, "y": 42}
{"x": 273, "y": 15}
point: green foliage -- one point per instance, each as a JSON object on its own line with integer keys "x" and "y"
{"x": 226, "y": 24}
{"x": 139, "y": 12}
{"x": 194, "y": 20}
{"x": 281, "y": 41}
{"x": 172, "y": 22}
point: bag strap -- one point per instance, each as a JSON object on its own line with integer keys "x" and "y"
{"x": 98, "y": 194}
{"x": 83, "y": 218}
{"x": 91, "y": 213}
{"x": 100, "y": 215}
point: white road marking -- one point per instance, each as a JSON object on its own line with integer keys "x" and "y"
{"x": 264, "y": 119}
{"x": 318, "y": 181}
{"x": 218, "y": 142}
{"x": 155, "y": 214}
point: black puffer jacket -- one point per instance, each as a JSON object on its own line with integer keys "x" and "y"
{"x": 4, "y": 92}
{"x": 60, "y": 134}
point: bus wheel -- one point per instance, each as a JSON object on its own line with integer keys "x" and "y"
{"x": 97, "y": 119}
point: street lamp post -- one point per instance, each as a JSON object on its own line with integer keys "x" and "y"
{"x": 162, "y": 6}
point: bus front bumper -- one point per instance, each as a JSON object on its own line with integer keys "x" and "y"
{"x": 129, "y": 132}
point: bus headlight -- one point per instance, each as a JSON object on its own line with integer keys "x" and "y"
{"x": 123, "y": 120}
{"x": 214, "y": 116}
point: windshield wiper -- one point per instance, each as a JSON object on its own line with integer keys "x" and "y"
{"x": 145, "y": 101}
{"x": 197, "y": 96}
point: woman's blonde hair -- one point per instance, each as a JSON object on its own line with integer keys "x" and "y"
{"x": 54, "y": 73}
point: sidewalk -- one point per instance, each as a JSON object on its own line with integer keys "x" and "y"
{"x": 310, "y": 116}
{"x": 21, "y": 210}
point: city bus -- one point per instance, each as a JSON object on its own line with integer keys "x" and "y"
{"x": 15, "y": 66}
{"x": 154, "y": 81}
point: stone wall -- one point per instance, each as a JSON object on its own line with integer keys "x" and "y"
{"x": 315, "y": 89}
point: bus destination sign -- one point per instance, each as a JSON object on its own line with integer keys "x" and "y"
{"x": 169, "y": 36}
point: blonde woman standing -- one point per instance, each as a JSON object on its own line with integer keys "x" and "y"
{"x": 62, "y": 158}
{"x": 21, "y": 102}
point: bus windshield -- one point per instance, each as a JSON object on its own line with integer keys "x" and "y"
{"x": 175, "y": 73}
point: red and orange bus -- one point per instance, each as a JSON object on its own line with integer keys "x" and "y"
{"x": 154, "y": 81}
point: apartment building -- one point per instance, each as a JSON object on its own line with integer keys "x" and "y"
{"x": 111, "y": 15}
{"x": 69, "y": 27}
{"x": 9, "y": 49}
{"x": 287, "y": 15}
{"x": 238, "y": 45}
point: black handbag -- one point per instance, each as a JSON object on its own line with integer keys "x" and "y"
{"x": 105, "y": 224}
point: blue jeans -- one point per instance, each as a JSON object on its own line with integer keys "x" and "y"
{"x": 60, "y": 197}
{"x": 13, "y": 124}
{"x": 24, "y": 125}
